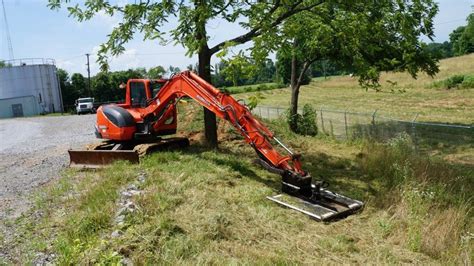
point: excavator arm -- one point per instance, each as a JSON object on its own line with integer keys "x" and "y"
{"x": 227, "y": 108}
{"x": 125, "y": 124}
{"x": 311, "y": 197}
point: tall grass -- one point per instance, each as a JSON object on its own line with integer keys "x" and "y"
{"x": 430, "y": 200}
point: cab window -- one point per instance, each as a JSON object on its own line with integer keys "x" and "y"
{"x": 138, "y": 94}
{"x": 155, "y": 88}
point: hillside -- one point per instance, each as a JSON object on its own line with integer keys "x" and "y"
{"x": 404, "y": 100}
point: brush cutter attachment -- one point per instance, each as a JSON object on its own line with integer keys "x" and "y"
{"x": 313, "y": 199}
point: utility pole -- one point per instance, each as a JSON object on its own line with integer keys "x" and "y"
{"x": 89, "y": 75}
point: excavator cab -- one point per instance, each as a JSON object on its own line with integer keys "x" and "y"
{"x": 139, "y": 94}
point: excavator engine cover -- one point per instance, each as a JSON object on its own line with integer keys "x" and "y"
{"x": 114, "y": 123}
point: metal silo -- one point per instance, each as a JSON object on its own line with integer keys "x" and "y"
{"x": 29, "y": 87}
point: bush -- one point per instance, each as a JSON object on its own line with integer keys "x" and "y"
{"x": 468, "y": 82}
{"x": 305, "y": 122}
{"x": 262, "y": 87}
{"x": 456, "y": 81}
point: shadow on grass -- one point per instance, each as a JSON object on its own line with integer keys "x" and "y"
{"x": 345, "y": 176}
{"x": 234, "y": 162}
{"x": 342, "y": 174}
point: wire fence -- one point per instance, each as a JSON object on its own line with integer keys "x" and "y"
{"x": 350, "y": 125}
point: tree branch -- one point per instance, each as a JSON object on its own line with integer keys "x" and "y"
{"x": 223, "y": 8}
{"x": 257, "y": 31}
{"x": 306, "y": 65}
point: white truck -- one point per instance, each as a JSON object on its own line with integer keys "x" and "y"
{"x": 85, "y": 105}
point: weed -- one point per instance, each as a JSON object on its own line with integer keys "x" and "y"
{"x": 428, "y": 198}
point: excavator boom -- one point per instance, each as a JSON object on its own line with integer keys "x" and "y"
{"x": 127, "y": 122}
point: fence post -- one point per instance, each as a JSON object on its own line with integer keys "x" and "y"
{"x": 260, "y": 110}
{"x": 373, "y": 116}
{"x": 374, "y": 133}
{"x": 413, "y": 129}
{"x": 345, "y": 124}
{"x": 322, "y": 120}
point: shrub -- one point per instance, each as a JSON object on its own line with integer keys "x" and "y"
{"x": 262, "y": 87}
{"x": 468, "y": 82}
{"x": 453, "y": 81}
{"x": 305, "y": 122}
{"x": 456, "y": 81}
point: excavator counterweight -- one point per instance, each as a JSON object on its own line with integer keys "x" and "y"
{"x": 149, "y": 111}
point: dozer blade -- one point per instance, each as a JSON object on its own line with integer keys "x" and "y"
{"x": 327, "y": 206}
{"x": 100, "y": 158}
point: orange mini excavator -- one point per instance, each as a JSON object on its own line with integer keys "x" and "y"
{"x": 149, "y": 112}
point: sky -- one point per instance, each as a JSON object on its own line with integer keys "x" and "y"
{"x": 38, "y": 32}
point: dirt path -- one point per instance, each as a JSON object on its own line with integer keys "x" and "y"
{"x": 32, "y": 152}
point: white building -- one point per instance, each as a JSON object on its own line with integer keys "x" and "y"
{"x": 29, "y": 87}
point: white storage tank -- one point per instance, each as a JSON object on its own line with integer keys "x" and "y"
{"x": 29, "y": 87}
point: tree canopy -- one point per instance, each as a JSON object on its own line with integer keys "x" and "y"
{"x": 150, "y": 18}
{"x": 462, "y": 38}
{"x": 366, "y": 38}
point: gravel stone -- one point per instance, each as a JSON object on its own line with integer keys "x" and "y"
{"x": 33, "y": 151}
{"x": 116, "y": 234}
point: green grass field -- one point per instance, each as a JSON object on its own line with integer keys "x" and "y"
{"x": 409, "y": 96}
{"x": 202, "y": 206}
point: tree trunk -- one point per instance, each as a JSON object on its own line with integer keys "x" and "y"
{"x": 296, "y": 80}
{"x": 295, "y": 90}
{"x": 210, "y": 128}
{"x": 204, "y": 71}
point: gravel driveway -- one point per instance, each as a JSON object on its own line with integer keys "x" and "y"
{"x": 33, "y": 151}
